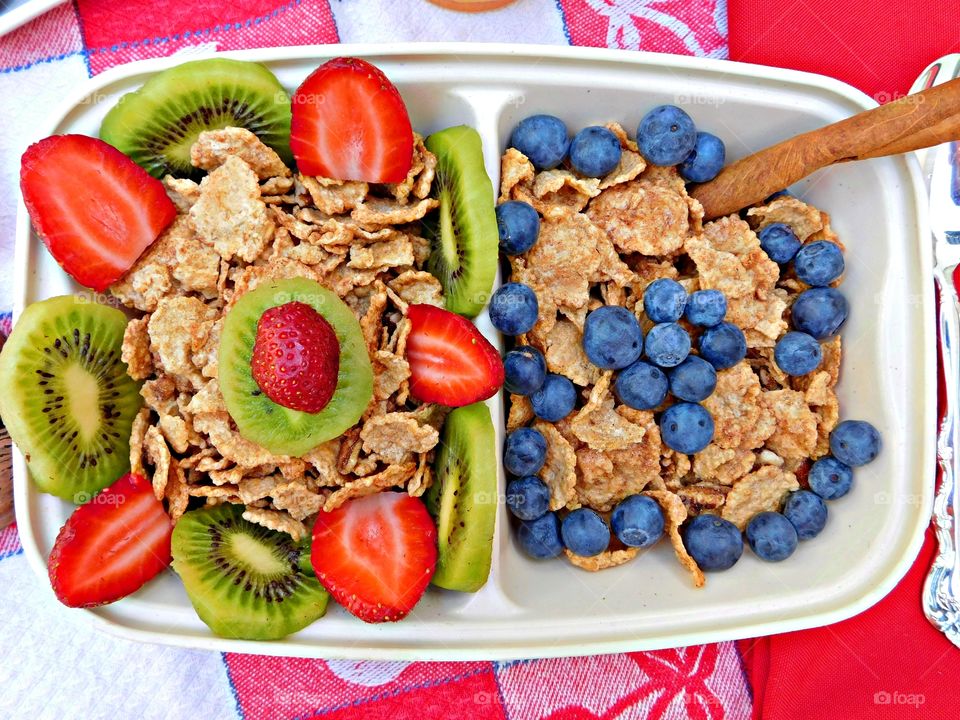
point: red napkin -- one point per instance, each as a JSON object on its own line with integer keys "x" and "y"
{"x": 876, "y": 46}
{"x": 887, "y": 662}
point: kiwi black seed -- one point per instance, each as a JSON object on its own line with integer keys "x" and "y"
{"x": 463, "y": 232}
{"x": 67, "y": 399}
{"x": 463, "y": 499}
{"x": 157, "y": 124}
{"x": 245, "y": 581}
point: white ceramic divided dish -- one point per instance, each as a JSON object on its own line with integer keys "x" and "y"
{"x": 537, "y": 609}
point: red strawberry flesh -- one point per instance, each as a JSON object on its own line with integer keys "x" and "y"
{"x": 95, "y": 209}
{"x": 349, "y": 123}
{"x": 376, "y": 554}
{"x": 296, "y": 357}
{"x": 111, "y": 546}
{"x": 451, "y": 363}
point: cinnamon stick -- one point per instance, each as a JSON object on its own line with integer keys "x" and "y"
{"x": 910, "y": 123}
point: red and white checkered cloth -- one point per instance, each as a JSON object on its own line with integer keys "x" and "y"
{"x": 55, "y": 665}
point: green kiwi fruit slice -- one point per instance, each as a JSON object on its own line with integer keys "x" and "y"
{"x": 463, "y": 499}
{"x": 464, "y": 232}
{"x": 244, "y": 580}
{"x": 67, "y": 399}
{"x": 157, "y": 124}
{"x": 281, "y": 430}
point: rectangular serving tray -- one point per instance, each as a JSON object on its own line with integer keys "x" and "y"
{"x": 541, "y": 609}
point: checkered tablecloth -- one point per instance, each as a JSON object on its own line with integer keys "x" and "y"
{"x": 54, "y": 665}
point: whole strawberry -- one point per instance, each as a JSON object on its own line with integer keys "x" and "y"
{"x": 296, "y": 357}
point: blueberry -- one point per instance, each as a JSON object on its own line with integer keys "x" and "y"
{"x": 664, "y": 300}
{"x": 585, "y": 533}
{"x": 528, "y": 498}
{"x": 666, "y": 135}
{"x": 637, "y": 521}
{"x": 706, "y": 308}
{"x": 612, "y": 337}
{"x": 519, "y": 227}
{"x": 855, "y": 442}
{"x": 641, "y": 386}
{"x": 723, "y": 345}
{"x": 686, "y": 427}
{"x": 693, "y": 380}
{"x": 524, "y": 370}
{"x": 540, "y": 538}
{"x": 514, "y": 309}
{"x": 818, "y": 263}
{"x": 807, "y": 512}
{"x": 779, "y": 242}
{"x": 771, "y": 536}
{"x": 797, "y": 354}
{"x": 555, "y": 400}
{"x": 777, "y": 194}
{"x": 713, "y": 542}
{"x": 705, "y": 161}
{"x": 595, "y": 151}
{"x": 830, "y": 479}
{"x": 820, "y": 312}
{"x": 667, "y": 344}
{"x": 543, "y": 139}
{"x": 524, "y": 451}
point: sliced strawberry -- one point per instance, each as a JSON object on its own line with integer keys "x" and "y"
{"x": 376, "y": 554}
{"x": 296, "y": 357}
{"x": 451, "y": 363}
{"x": 95, "y": 209}
{"x": 111, "y": 546}
{"x": 350, "y": 123}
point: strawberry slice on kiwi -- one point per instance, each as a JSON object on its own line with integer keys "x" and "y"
{"x": 111, "y": 546}
{"x": 349, "y": 123}
{"x": 95, "y": 209}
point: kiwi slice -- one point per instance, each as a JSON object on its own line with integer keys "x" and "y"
{"x": 463, "y": 499}
{"x": 157, "y": 124}
{"x": 463, "y": 234}
{"x": 67, "y": 399}
{"x": 244, "y": 580}
{"x": 281, "y": 430}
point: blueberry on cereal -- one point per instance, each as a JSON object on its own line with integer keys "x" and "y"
{"x": 686, "y": 427}
{"x": 715, "y": 543}
{"x": 771, "y": 536}
{"x": 637, "y": 521}
{"x": 595, "y": 151}
{"x": 664, "y": 300}
{"x": 706, "y": 308}
{"x": 819, "y": 263}
{"x": 524, "y": 452}
{"x": 668, "y": 344}
{"x": 519, "y": 227}
{"x": 555, "y": 399}
{"x": 807, "y": 512}
{"x": 779, "y": 242}
{"x": 855, "y": 442}
{"x": 543, "y": 139}
{"x": 641, "y": 386}
{"x": 666, "y": 135}
{"x": 693, "y": 380}
{"x": 524, "y": 370}
{"x": 830, "y": 479}
{"x": 723, "y": 345}
{"x": 797, "y": 354}
{"x": 528, "y": 498}
{"x": 706, "y": 159}
{"x": 820, "y": 312}
{"x": 584, "y": 532}
{"x": 514, "y": 309}
{"x": 540, "y": 538}
{"x": 612, "y": 338}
